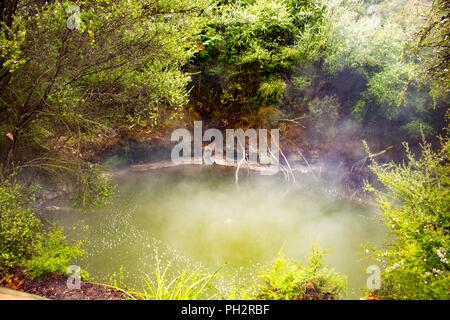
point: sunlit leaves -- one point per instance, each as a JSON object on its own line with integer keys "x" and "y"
{"x": 255, "y": 44}
{"x": 288, "y": 279}
{"x": 24, "y": 241}
{"x": 390, "y": 86}
{"x": 416, "y": 208}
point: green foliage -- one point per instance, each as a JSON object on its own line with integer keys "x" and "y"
{"x": 360, "y": 39}
{"x": 433, "y": 44}
{"x": 272, "y": 90}
{"x": 64, "y": 92}
{"x": 418, "y": 128}
{"x": 390, "y": 86}
{"x": 323, "y": 116}
{"x": 292, "y": 280}
{"x": 71, "y": 88}
{"x": 302, "y": 82}
{"x": 375, "y": 40}
{"x": 11, "y": 41}
{"x": 286, "y": 279}
{"x": 20, "y": 229}
{"x": 416, "y": 207}
{"x": 183, "y": 286}
{"x": 52, "y": 254}
{"x": 96, "y": 188}
{"x": 252, "y": 47}
{"x": 24, "y": 241}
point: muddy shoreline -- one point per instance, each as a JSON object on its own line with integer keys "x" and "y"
{"x": 54, "y": 286}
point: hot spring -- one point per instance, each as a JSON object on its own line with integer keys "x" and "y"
{"x": 197, "y": 218}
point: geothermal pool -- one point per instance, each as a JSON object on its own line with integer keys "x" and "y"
{"x": 197, "y": 218}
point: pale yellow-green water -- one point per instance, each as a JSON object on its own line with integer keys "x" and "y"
{"x": 197, "y": 218}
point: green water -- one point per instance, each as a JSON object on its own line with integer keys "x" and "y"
{"x": 198, "y": 218}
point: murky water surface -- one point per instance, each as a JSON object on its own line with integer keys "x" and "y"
{"x": 196, "y": 218}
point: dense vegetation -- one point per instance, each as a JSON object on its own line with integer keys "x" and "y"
{"x": 74, "y": 83}
{"x": 24, "y": 240}
{"x": 284, "y": 279}
{"x": 416, "y": 209}
{"x": 293, "y": 280}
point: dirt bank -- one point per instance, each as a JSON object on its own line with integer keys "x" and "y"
{"x": 54, "y": 286}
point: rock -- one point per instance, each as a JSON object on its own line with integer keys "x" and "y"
{"x": 9, "y": 294}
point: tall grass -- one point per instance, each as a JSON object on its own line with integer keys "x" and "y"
{"x": 161, "y": 285}
{"x": 285, "y": 279}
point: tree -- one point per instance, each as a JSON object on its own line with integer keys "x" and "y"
{"x": 433, "y": 44}
{"x": 376, "y": 41}
{"x": 248, "y": 52}
{"x": 119, "y": 66}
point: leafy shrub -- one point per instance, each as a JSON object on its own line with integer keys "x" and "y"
{"x": 287, "y": 279}
{"x": 324, "y": 114}
{"x": 416, "y": 208}
{"x": 24, "y": 241}
{"x": 394, "y": 91}
{"x": 272, "y": 90}
{"x": 52, "y": 254}
{"x": 390, "y": 86}
{"x": 302, "y": 82}
{"x": 252, "y": 46}
{"x": 95, "y": 188}
{"x": 20, "y": 229}
{"x": 418, "y": 128}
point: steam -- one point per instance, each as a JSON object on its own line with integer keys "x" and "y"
{"x": 196, "y": 217}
